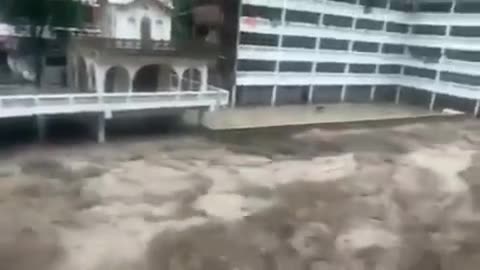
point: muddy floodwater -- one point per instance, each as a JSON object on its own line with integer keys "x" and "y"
{"x": 386, "y": 198}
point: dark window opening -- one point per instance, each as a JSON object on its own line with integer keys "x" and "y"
{"x": 360, "y": 46}
{"x": 397, "y": 27}
{"x": 420, "y": 72}
{"x": 295, "y": 67}
{"x": 429, "y": 29}
{"x": 334, "y": 44}
{"x": 374, "y": 3}
{"x": 390, "y": 69}
{"x": 262, "y": 12}
{"x": 302, "y": 17}
{"x": 289, "y": 95}
{"x": 255, "y": 65}
{"x": 393, "y": 49}
{"x": 361, "y": 68}
{"x": 258, "y": 39}
{"x": 330, "y": 67}
{"x": 460, "y": 78}
{"x": 369, "y": 24}
{"x": 473, "y": 56}
{"x": 465, "y": 31}
{"x": 298, "y": 42}
{"x": 467, "y": 7}
{"x": 340, "y": 21}
{"x": 434, "y": 7}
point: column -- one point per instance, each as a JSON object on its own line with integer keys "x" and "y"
{"x": 343, "y": 93}
{"x": 132, "y": 71}
{"x": 273, "y": 101}
{"x": 179, "y": 72}
{"x": 313, "y": 70}
{"x": 397, "y": 94}
{"x": 233, "y": 97}
{"x": 432, "y": 101}
{"x": 100, "y": 73}
{"x": 477, "y": 109}
{"x": 41, "y": 127}
{"x": 204, "y": 73}
{"x": 101, "y": 128}
{"x": 373, "y": 90}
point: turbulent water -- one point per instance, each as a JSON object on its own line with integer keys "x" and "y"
{"x": 385, "y": 198}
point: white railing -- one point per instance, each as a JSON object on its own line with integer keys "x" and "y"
{"x": 25, "y": 105}
{"x": 306, "y": 79}
{"x": 252, "y": 52}
{"x": 380, "y": 14}
{"x": 265, "y": 26}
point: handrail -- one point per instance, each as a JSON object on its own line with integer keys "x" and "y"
{"x": 379, "y": 14}
{"x": 306, "y": 78}
{"x": 17, "y": 105}
{"x": 309, "y": 30}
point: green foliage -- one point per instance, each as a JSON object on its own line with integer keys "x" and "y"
{"x": 43, "y": 13}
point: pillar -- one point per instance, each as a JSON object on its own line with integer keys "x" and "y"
{"x": 204, "y": 83}
{"x": 233, "y": 94}
{"x": 432, "y": 101}
{"x": 310, "y": 94}
{"x": 100, "y": 73}
{"x": 373, "y": 90}
{"x": 41, "y": 127}
{"x": 477, "y": 108}
{"x": 397, "y": 95}
{"x": 343, "y": 93}
{"x": 273, "y": 100}
{"x": 179, "y": 72}
{"x": 101, "y": 128}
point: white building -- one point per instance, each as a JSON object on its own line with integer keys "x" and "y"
{"x": 130, "y": 64}
{"x": 135, "y": 52}
{"x": 317, "y": 51}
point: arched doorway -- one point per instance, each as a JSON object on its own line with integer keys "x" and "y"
{"x": 82, "y": 76}
{"x": 117, "y": 80}
{"x": 146, "y": 29}
{"x": 192, "y": 80}
{"x": 152, "y": 78}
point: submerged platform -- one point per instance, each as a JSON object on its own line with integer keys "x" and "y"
{"x": 264, "y": 117}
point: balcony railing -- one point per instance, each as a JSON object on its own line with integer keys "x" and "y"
{"x": 159, "y": 46}
{"x": 27, "y": 105}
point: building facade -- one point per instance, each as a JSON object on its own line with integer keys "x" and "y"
{"x": 320, "y": 51}
{"x": 135, "y": 52}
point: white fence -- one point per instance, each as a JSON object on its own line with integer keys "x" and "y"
{"x": 26, "y": 105}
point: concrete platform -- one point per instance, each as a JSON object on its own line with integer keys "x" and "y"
{"x": 246, "y": 118}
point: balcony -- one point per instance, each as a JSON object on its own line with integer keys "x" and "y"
{"x": 50, "y": 104}
{"x": 150, "y": 47}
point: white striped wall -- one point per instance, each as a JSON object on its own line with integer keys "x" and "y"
{"x": 282, "y": 29}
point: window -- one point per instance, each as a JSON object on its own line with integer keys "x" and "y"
{"x": 295, "y": 66}
{"x": 369, "y": 24}
{"x": 420, "y": 72}
{"x": 330, "y": 67}
{"x": 258, "y": 39}
{"x": 334, "y": 44}
{"x": 390, "y": 69}
{"x": 360, "y": 46}
{"x": 340, "y": 21}
{"x": 393, "y": 49}
{"x": 255, "y": 65}
{"x": 362, "y": 68}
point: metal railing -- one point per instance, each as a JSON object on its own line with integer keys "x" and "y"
{"x": 25, "y": 105}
